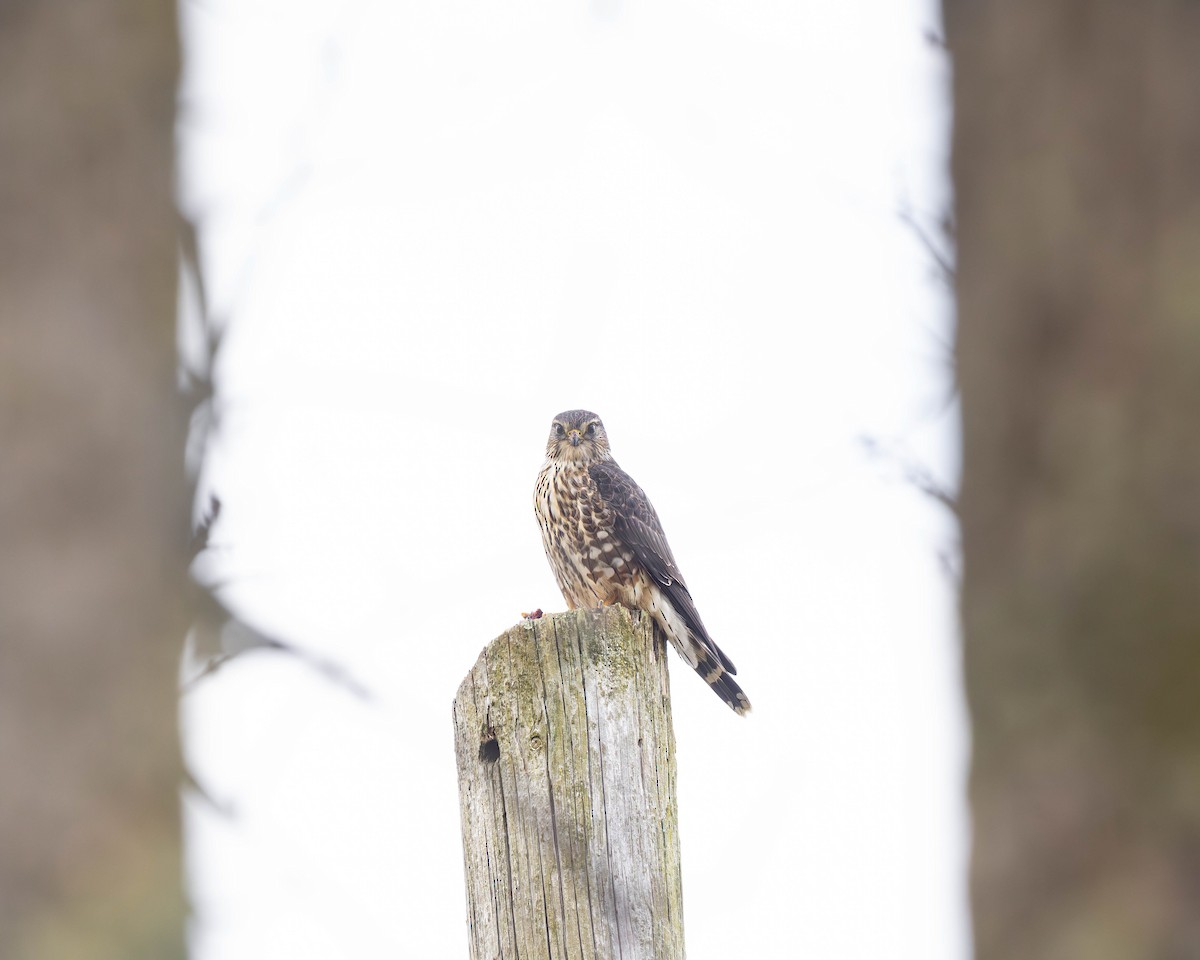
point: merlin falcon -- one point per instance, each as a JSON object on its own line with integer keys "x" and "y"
{"x": 606, "y": 545}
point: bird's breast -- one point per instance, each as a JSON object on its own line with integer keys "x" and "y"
{"x": 589, "y": 561}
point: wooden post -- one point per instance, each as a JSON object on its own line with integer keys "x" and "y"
{"x": 566, "y": 777}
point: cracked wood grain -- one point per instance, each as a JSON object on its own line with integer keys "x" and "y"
{"x": 566, "y": 767}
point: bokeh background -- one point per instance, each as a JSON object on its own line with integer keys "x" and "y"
{"x": 93, "y": 504}
{"x": 314, "y": 277}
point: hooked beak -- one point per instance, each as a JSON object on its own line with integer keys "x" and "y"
{"x": 574, "y": 437}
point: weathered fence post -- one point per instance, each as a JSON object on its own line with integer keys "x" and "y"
{"x": 566, "y": 778}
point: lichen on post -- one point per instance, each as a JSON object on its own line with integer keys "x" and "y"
{"x": 566, "y": 766}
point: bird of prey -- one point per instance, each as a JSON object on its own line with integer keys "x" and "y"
{"x": 605, "y": 544}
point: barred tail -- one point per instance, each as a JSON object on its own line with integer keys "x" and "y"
{"x": 677, "y": 619}
{"x": 722, "y": 682}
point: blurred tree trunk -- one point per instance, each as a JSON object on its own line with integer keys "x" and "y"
{"x": 92, "y": 504}
{"x": 1077, "y": 177}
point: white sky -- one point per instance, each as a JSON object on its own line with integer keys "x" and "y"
{"x": 427, "y": 229}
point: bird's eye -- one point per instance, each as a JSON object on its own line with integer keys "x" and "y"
{"x": 591, "y": 430}
{"x": 558, "y": 430}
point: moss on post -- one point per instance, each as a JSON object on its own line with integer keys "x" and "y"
{"x": 566, "y": 766}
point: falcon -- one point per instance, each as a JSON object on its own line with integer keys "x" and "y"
{"x": 605, "y": 544}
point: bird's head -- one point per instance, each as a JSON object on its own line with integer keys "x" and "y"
{"x": 577, "y": 436}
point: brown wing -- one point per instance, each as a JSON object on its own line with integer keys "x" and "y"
{"x": 636, "y": 523}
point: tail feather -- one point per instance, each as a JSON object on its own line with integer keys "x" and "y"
{"x": 722, "y": 683}
{"x": 678, "y": 622}
{"x": 681, "y": 602}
